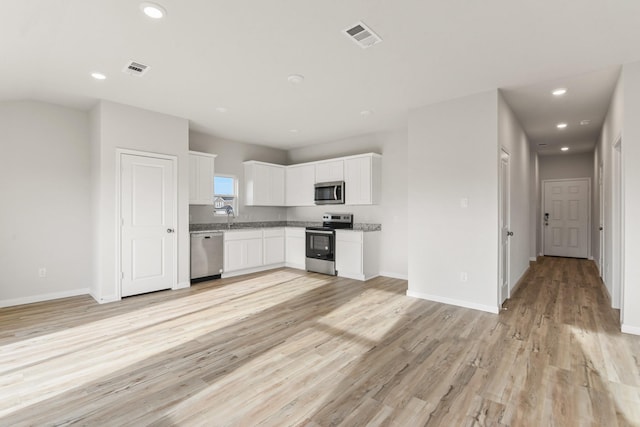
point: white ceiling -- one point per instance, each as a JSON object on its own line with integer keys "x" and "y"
{"x": 238, "y": 54}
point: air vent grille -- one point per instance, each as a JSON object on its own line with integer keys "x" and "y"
{"x": 135, "y": 68}
{"x": 362, "y": 35}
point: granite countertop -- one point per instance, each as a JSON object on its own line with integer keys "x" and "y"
{"x": 222, "y": 226}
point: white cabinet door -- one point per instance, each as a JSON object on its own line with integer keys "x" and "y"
{"x": 233, "y": 255}
{"x": 254, "y": 253}
{"x": 273, "y": 246}
{"x": 295, "y": 247}
{"x": 299, "y": 185}
{"x": 201, "y": 171}
{"x": 242, "y": 250}
{"x": 349, "y": 254}
{"x": 330, "y": 171}
{"x": 362, "y": 178}
{"x": 276, "y": 184}
{"x": 264, "y": 184}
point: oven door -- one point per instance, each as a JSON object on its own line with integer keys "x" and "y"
{"x": 321, "y": 244}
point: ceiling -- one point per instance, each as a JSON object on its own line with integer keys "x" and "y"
{"x": 539, "y": 111}
{"x": 237, "y": 54}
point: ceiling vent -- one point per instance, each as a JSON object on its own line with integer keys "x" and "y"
{"x": 135, "y": 68}
{"x": 362, "y": 35}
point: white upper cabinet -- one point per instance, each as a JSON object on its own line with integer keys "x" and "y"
{"x": 299, "y": 185}
{"x": 264, "y": 184}
{"x": 363, "y": 179}
{"x": 330, "y": 170}
{"x": 201, "y": 170}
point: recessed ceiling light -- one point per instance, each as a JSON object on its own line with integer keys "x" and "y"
{"x": 295, "y": 78}
{"x": 559, "y": 92}
{"x": 222, "y": 109}
{"x": 98, "y": 76}
{"x": 294, "y": 130}
{"x": 561, "y": 125}
{"x": 565, "y": 149}
{"x": 153, "y": 10}
{"x": 585, "y": 122}
{"x": 366, "y": 113}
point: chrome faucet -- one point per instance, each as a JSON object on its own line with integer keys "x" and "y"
{"x": 230, "y": 214}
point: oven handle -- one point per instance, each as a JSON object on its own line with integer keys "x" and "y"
{"x": 319, "y": 232}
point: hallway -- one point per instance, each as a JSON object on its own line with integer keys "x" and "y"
{"x": 573, "y": 366}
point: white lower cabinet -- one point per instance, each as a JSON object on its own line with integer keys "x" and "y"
{"x": 357, "y": 254}
{"x": 295, "y": 247}
{"x": 242, "y": 250}
{"x": 273, "y": 244}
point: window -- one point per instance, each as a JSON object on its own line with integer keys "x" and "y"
{"x": 225, "y": 193}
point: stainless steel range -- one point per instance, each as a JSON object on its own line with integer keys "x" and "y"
{"x": 321, "y": 242}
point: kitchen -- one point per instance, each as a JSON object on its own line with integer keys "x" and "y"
{"x": 255, "y": 245}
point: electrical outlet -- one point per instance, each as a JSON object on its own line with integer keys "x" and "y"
{"x": 464, "y": 203}
{"x": 42, "y": 272}
{"x": 463, "y": 277}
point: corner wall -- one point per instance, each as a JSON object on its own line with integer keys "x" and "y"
{"x": 453, "y": 155}
{"x": 392, "y": 210}
{"x": 121, "y": 126}
{"x": 45, "y": 215}
{"x": 631, "y": 198}
{"x": 512, "y": 138}
{"x": 230, "y": 155}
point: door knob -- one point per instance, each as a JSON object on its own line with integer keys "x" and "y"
{"x": 170, "y": 230}
{"x": 509, "y": 233}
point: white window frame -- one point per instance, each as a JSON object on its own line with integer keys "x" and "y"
{"x": 236, "y": 196}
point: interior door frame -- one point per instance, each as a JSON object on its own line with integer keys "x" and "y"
{"x": 504, "y": 188}
{"x": 617, "y": 225}
{"x": 118, "y": 213}
{"x": 542, "y": 209}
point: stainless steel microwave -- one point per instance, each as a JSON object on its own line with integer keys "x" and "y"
{"x": 329, "y": 193}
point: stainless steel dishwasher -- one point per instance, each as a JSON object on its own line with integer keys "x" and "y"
{"x": 206, "y": 255}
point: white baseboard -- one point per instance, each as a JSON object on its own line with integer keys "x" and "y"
{"x": 296, "y": 266}
{"x": 519, "y": 282}
{"x": 533, "y": 258}
{"x": 252, "y": 270}
{"x": 634, "y": 330}
{"x": 590, "y": 258}
{"x": 44, "y": 297}
{"x": 394, "y": 275}
{"x": 105, "y": 300}
{"x": 182, "y": 285}
{"x": 451, "y": 301}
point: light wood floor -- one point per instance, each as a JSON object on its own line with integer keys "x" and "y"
{"x": 291, "y": 348}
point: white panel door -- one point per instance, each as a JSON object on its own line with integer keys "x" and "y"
{"x": 566, "y": 218}
{"x": 148, "y": 217}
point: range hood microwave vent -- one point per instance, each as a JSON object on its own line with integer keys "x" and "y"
{"x": 362, "y": 35}
{"x": 135, "y": 68}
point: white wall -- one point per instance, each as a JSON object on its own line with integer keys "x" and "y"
{"x": 611, "y": 130}
{"x": 45, "y": 214}
{"x": 231, "y": 154}
{"x": 631, "y": 212}
{"x": 453, "y": 154}
{"x": 121, "y": 126}
{"x": 512, "y": 138}
{"x": 566, "y": 166}
{"x": 392, "y": 210}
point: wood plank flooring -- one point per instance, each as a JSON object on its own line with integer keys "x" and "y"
{"x": 291, "y": 348}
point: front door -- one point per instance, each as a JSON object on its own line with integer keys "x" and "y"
{"x": 148, "y": 217}
{"x": 566, "y": 218}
